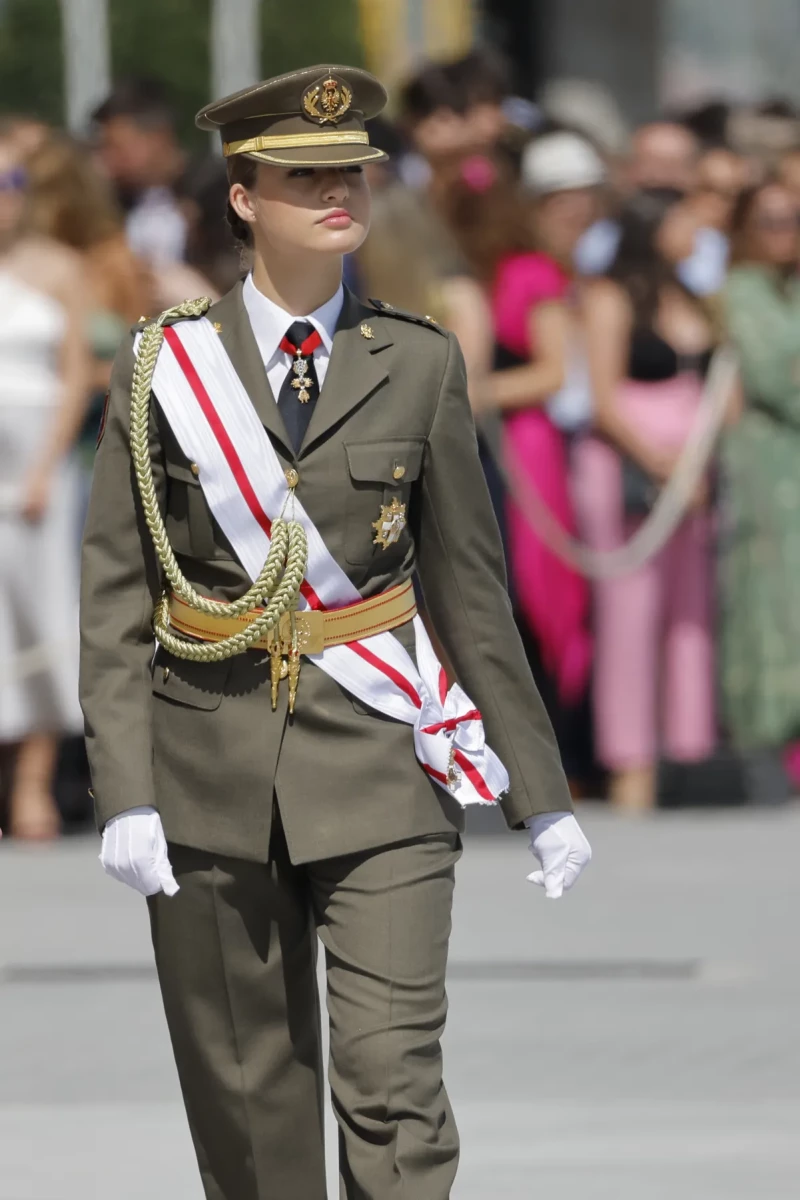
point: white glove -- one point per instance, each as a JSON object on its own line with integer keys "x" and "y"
{"x": 134, "y": 851}
{"x": 558, "y": 842}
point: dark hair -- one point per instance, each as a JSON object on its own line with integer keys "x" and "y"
{"x": 243, "y": 170}
{"x": 639, "y": 266}
{"x": 385, "y": 135}
{"x": 743, "y": 208}
{"x": 210, "y": 247}
{"x": 777, "y": 106}
{"x": 479, "y": 77}
{"x": 426, "y": 92}
{"x": 145, "y": 101}
{"x": 709, "y": 123}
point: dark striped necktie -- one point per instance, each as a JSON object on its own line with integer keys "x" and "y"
{"x": 300, "y": 389}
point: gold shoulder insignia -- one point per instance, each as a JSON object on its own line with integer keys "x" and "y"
{"x": 189, "y": 310}
{"x": 389, "y": 310}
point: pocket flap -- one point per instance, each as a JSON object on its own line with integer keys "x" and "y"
{"x": 195, "y": 684}
{"x": 391, "y": 460}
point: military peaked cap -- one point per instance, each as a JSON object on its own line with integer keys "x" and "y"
{"x": 314, "y": 117}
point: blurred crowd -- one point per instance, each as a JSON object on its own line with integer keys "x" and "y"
{"x": 590, "y": 272}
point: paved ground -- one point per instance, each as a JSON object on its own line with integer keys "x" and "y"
{"x": 639, "y": 1040}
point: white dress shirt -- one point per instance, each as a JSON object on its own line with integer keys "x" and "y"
{"x": 270, "y": 323}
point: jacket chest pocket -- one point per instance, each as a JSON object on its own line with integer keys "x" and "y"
{"x": 381, "y": 475}
{"x": 187, "y": 518}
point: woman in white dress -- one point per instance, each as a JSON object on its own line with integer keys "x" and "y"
{"x": 44, "y": 369}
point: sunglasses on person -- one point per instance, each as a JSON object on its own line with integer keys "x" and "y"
{"x": 14, "y": 179}
{"x": 778, "y": 224}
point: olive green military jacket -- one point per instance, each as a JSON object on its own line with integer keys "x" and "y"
{"x": 199, "y": 741}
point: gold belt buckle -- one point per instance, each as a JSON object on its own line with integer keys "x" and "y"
{"x": 310, "y": 627}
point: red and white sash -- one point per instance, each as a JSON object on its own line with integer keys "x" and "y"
{"x": 218, "y": 428}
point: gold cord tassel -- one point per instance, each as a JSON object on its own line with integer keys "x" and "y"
{"x": 275, "y": 671}
{"x": 294, "y": 677}
{"x": 294, "y": 667}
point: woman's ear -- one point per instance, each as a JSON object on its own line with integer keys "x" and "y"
{"x": 241, "y": 203}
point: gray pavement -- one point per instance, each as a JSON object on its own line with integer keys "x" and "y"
{"x": 639, "y": 1039}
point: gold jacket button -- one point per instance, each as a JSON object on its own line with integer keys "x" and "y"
{"x": 165, "y": 674}
{"x": 194, "y": 469}
{"x": 399, "y": 471}
{"x": 292, "y": 478}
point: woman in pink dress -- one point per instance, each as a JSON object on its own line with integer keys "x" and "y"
{"x": 533, "y": 307}
{"x": 648, "y": 341}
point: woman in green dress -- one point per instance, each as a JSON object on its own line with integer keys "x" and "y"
{"x": 760, "y": 543}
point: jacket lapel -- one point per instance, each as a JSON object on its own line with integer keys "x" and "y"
{"x": 358, "y": 366}
{"x": 240, "y": 344}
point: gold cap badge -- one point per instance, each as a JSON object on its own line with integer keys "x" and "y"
{"x": 327, "y": 100}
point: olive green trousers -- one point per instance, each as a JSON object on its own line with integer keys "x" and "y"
{"x": 236, "y": 957}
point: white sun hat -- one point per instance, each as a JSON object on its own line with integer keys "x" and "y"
{"x": 559, "y": 162}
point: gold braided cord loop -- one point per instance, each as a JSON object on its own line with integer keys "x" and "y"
{"x": 284, "y": 599}
{"x": 295, "y": 141}
{"x": 277, "y": 589}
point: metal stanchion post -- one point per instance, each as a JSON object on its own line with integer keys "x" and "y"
{"x": 235, "y": 47}
{"x": 87, "y": 58}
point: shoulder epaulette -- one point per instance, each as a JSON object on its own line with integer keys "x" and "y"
{"x": 389, "y": 310}
{"x": 188, "y": 310}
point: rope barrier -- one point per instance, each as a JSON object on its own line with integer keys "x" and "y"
{"x": 673, "y": 501}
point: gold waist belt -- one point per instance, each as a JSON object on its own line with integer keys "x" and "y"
{"x": 313, "y": 630}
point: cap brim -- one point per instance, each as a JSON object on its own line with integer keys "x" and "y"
{"x": 319, "y": 156}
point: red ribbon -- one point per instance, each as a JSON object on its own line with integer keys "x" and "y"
{"x": 308, "y": 347}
